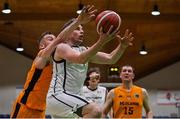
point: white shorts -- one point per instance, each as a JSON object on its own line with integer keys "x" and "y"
{"x": 63, "y": 104}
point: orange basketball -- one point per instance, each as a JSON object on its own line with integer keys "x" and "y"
{"x": 107, "y": 18}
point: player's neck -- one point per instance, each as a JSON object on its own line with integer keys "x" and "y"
{"x": 127, "y": 85}
{"x": 92, "y": 87}
{"x": 73, "y": 43}
{"x": 69, "y": 42}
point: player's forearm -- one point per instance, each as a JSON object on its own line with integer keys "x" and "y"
{"x": 41, "y": 62}
{"x": 108, "y": 115}
{"x": 116, "y": 54}
{"x": 90, "y": 52}
{"x": 149, "y": 115}
{"x": 69, "y": 29}
{"x": 105, "y": 113}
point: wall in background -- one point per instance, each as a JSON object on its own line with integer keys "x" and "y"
{"x": 14, "y": 67}
{"x": 166, "y": 79}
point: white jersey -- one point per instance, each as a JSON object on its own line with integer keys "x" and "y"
{"x": 98, "y": 95}
{"x": 68, "y": 76}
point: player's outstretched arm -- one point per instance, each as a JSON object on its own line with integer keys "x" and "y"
{"x": 64, "y": 51}
{"x": 108, "y": 104}
{"x": 146, "y": 105}
{"x": 86, "y": 16}
{"x": 116, "y": 54}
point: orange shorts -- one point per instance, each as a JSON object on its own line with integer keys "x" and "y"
{"x": 22, "y": 111}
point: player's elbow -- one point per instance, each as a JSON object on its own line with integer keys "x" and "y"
{"x": 81, "y": 60}
{"x": 110, "y": 61}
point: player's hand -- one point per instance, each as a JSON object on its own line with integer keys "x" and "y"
{"x": 127, "y": 39}
{"x": 87, "y": 14}
{"x": 110, "y": 35}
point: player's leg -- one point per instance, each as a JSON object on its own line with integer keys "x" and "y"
{"x": 70, "y": 105}
{"x": 91, "y": 110}
{"x": 62, "y": 105}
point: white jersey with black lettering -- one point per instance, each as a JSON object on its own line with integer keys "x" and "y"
{"x": 68, "y": 76}
{"x": 64, "y": 99}
{"x": 98, "y": 95}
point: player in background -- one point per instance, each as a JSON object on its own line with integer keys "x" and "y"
{"x": 127, "y": 100}
{"x": 93, "y": 91}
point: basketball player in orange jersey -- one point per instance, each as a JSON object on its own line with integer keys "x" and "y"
{"x": 31, "y": 102}
{"x": 127, "y": 99}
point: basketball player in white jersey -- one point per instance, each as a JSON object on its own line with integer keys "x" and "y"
{"x": 70, "y": 67}
{"x": 93, "y": 91}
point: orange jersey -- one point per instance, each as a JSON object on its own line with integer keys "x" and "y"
{"x": 22, "y": 111}
{"x": 36, "y": 87}
{"x": 127, "y": 104}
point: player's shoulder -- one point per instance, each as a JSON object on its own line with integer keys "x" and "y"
{"x": 62, "y": 48}
{"x": 144, "y": 91}
{"x": 102, "y": 88}
{"x": 84, "y": 87}
{"x": 62, "y": 45}
{"x": 138, "y": 87}
{"x": 111, "y": 93}
{"x": 117, "y": 88}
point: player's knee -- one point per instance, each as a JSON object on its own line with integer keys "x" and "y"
{"x": 93, "y": 110}
{"x": 96, "y": 110}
